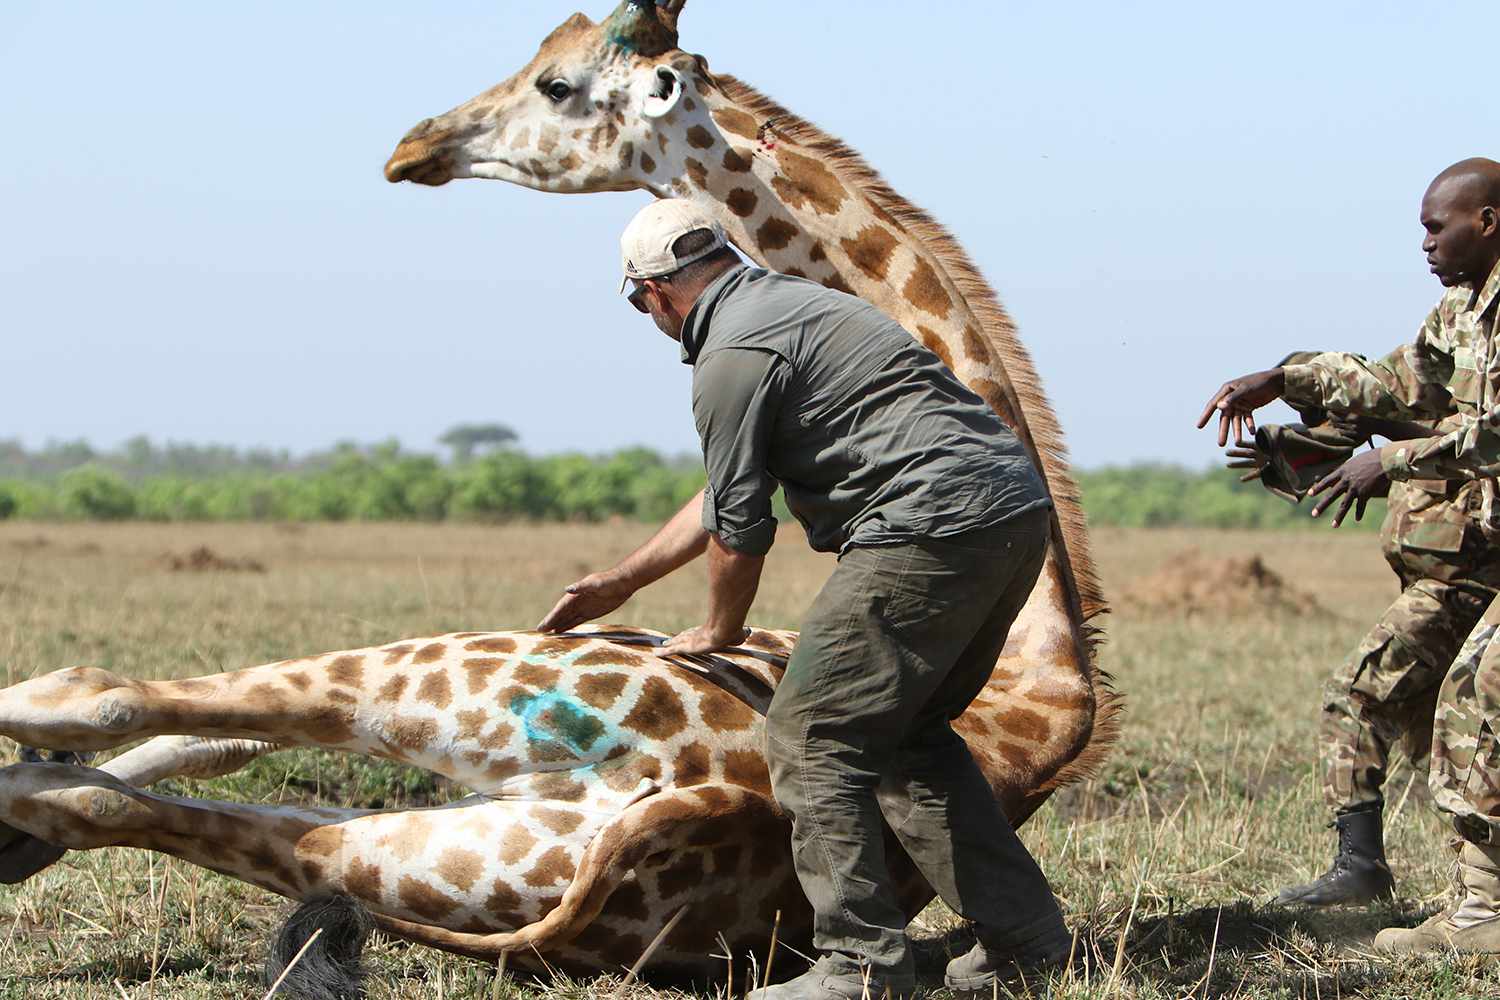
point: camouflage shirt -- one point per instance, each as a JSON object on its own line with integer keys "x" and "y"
{"x": 1452, "y": 369}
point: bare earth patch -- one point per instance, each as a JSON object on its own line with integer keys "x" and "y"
{"x": 1193, "y": 583}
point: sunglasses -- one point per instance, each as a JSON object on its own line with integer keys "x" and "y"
{"x": 637, "y": 298}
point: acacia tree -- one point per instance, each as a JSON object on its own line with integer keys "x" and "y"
{"x": 467, "y": 439}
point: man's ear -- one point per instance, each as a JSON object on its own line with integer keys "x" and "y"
{"x": 1489, "y": 222}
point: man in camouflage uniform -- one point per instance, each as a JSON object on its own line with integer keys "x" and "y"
{"x": 1451, "y": 369}
{"x": 1386, "y": 690}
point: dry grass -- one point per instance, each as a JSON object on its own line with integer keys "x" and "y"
{"x": 1209, "y": 804}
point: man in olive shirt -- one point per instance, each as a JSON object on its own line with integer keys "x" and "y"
{"x": 941, "y": 525}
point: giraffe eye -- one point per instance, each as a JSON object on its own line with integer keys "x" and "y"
{"x": 559, "y": 91}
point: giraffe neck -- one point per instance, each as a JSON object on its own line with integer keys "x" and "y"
{"x": 801, "y": 203}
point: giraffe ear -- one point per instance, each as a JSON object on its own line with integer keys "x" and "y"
{"x": 666, "y": 90}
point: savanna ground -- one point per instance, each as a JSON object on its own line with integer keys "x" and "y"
{"x": 1209, "y": 803}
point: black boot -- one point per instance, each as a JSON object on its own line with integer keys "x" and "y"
{"x": 1359, "y": 874}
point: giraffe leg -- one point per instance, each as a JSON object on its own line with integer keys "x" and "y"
{"x": 23, "y": 855}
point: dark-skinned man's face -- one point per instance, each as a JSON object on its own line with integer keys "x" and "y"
{"x": 1462, "y": 241}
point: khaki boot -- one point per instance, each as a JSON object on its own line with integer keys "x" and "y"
{"x": 1472, "y": 927}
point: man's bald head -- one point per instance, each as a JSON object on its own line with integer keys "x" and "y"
{"x": 1461, "y": 213}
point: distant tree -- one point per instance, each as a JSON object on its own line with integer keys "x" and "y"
{"x": 96, "y": 494}
{"x": 8, "y": 502}
{"x": 467, "y": 439}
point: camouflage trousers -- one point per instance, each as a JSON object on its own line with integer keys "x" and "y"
{"x": 1385, "y": 693}
{"x": 1465, "y": 774}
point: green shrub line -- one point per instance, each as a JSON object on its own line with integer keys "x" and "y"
{"x": 386, "y": 484}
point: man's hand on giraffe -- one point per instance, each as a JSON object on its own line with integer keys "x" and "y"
{"x": 1238, "y": 399}
{"x": 1357, "y": 480}
{"x": 592, "y": 597}
{"x": 703, "y": 639}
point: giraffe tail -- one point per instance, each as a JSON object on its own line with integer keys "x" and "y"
{"x": 332, "y": 968}
{"x": 699, "y": 816}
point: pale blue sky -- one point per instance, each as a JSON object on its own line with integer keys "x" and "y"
{"x": 197, "y": 243}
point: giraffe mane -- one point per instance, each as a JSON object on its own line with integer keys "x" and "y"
{"x": 999, "y": 334}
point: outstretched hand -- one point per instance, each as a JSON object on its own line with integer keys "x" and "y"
{"x": 703, "y": 639}
{"x": 1238, "y": 399}
{"x": 592, "y": 597}
{"x": 1357, "y": 480}
{"x": 1247, "y": 455}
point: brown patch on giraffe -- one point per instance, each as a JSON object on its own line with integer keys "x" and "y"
{"x": 700, "y": 138}
{"x": 934, "y": 343}
{"x": 975, "y": 723}
{"x": 470, "y": 722}
{"x": 505, "y": 905}
{"x": 322, "y": 842}
{"x": 647, "y": 163}
{"x": 742, "y": 202}
{"x": 747, "y": 768}
{"x": 477, "y": 114}
{"x": 329, "y": 725}
{"x": 535, "y": 675}
{"x": 392, "y": 690}
{"x": 465, "y": 635}
{"x": 627, "y": 154}
{"x": 658, "y": 712}
{"x": 680, "y": 876}
{"x": 460, "y": 867}
{"x": 436, "y": 689}
{"x": 559, "y": 821}
{"x": 661, "y": 142}
{"x": 994, "y": 394}
{"x": 395, "y": 654}
{"x": 412, "y": 734}
{"x": 499, "y": 737}
{"x": 554, "y": 866}
{"x": 348, "y": 670}
{"x": 1017, "y": 758}
{"x": 546, "y": 140}
{"x": 795, "y": 272}
{"x": 479, "y": 669}
{"x": 430, "y": 653}
{"x": 265, "y": 698}
{"x": 610, "y": 656}
{"x": 880, "y": 213}
{"x": 410, "y": 838}
{"x": 494, "y": 644}
{"x": 692, "y": 764}
{"x": 817, "y": 254}
{"x": 423, "y": 900}
{"x": 977, "y": 350}
{"x": 521, "y": 138}
{"x": 627, "y": 775}
{"x": 560, "y": 645}
{"x": 735, "y": 163}
{"x": 689, "y": 104}
{"x": 559, "y": 786}
{"x": 516, "y": 844}
{"x": 1057, "y": 696}
{"x": 698, "y": 173}
{"x": 600, "y": 690}
{"x": 870, "y": 250}
{"x": 628, "y": 902}
{"x": 727, "y": 858}
{"x": 738, "y": 122}
{"x": 298, "y": 680}
{"x": 804, "y": 182}
{"x": 776, "y": 233}
{"x": 837, "y": 283}
{"x": 719, "y": 711}
{"x": 924, "y": 289}
{"x": 569, "y": 163}
{"x": 769, "y": 641}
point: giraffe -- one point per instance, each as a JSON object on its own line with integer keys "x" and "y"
{"x": 619, "y": 106}
{"x": 612, "y": 788}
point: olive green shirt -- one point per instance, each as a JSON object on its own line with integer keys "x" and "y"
{"x": 870, "y": 436}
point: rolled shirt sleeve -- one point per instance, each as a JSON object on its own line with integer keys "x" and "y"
{"x": 737, "y": 394}
{"x": 1407, "y": 384}
{"x": 1470, "y": 451}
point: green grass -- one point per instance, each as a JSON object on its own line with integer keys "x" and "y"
{"x": 1209, "y": 804}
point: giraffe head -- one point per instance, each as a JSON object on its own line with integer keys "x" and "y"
{"x": 595, "y": 110}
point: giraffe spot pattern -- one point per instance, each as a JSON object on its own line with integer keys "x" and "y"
{"x": 870, "y": 250}
{"x": 924, "y": 289}
{"x": 934, "y": 343}
{"x": 436, "y": 689}
{"x": 742, "y": 202}
{"x": 555, "y": 865}
{"x": 775, "y": 233}
{"x": 736, "y": 121}
{"x": 805, "y": 182}
{"x": 647, "y": 163}
{"x": 534, "y": 675}
{"x": 478, "y": 670}
{"x": 460, "y": 867}
{"x": 494, "y": 644}
{"x": 699, "y": 137}
{"x": 395, "y": 654}
{"x": 348, "y": 670}
{"x": 430, "y": 653}
{"x": 658, "y": 712}
{"x": 697, "y": 173}
{"x": 423, "y": 900}
{"x": 975, "y": 348}
{"x": 736, "y": 162}
{"x": 600, "y": 690}
{"x": 517, "y": 843}
{"x": 392, "y": 689}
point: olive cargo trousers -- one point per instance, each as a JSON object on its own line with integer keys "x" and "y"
{"x": 897, "y": 644}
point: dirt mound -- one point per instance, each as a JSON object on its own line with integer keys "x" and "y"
{"x": 1192, "y": 583}
{"x": 205, "y": 560}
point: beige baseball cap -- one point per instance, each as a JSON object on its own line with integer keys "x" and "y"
{"x": 646, "y": 246}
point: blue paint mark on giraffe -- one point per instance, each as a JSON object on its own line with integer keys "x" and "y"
{"x": 560, "y": 727}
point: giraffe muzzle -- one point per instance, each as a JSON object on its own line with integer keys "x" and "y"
{"x": 422, "y": 159}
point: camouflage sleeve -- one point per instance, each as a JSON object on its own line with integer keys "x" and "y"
{"x": 1471, "y": 450}
{"x": 1410, "y": 383}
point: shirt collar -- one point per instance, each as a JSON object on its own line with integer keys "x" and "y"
{"x": 1488, "y": 292}
{"x": 695, "y": 324}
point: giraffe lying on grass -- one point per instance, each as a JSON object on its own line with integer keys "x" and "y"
{"x": 613, "y": 788}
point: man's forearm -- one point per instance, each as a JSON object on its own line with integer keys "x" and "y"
{"x": 679, "y": 542}
{"x": 733, "y": 578}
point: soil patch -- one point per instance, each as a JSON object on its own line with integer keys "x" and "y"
{"x": 1193, "y": 583}
{"x": 205, "y": 560}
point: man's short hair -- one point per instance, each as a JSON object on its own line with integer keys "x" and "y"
{"x": 695, "y": 242}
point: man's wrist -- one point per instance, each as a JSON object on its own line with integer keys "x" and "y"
{"x": 1395, "y": 461}
{"x": 1299, "y": 385}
